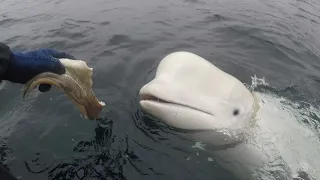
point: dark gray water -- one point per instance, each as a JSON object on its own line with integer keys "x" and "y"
{"x": 44, "y": 136}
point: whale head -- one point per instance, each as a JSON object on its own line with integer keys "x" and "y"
{"x": 188, "y": 92}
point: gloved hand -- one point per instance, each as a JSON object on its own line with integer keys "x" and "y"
{"x": 25, "y": 65}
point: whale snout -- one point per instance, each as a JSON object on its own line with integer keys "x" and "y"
{"x": 173, "y": 113}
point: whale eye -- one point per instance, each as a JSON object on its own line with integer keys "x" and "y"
{"x": 235, "y": 112}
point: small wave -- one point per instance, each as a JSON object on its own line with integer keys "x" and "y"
{"x": 255, "y": 82}
{"x": 2, "y": 85}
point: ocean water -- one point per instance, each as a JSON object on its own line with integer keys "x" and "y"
{"x": 45, "y": 137}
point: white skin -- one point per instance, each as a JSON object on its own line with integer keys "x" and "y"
{"x": 188, "y": 92}
{"x": 197, "y": 95}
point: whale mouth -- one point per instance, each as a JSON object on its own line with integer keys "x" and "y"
{"x": 147, "y": 97}
{"x": 150, "y": 97}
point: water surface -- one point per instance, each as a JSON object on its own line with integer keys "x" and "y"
{"x": 45, "y": 137}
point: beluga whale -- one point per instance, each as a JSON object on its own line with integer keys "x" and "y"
{"x": 253, "y": 137}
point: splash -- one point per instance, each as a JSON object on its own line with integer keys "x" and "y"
{"x": 286, "y": 135}
{"x": 255, "y": 82}
{"x": 290, "y": 131}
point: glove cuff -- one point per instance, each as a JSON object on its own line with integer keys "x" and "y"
{"x": 5, "y": 60}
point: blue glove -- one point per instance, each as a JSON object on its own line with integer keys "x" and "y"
{"x": 26, "y": 65}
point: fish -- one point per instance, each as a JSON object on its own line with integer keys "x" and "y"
{"x": 76, "y": 83}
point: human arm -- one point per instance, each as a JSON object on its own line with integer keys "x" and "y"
{"x": 4, "y": 59}
{"x": 20, "y": 67}
{"x": 6, "y": 174}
